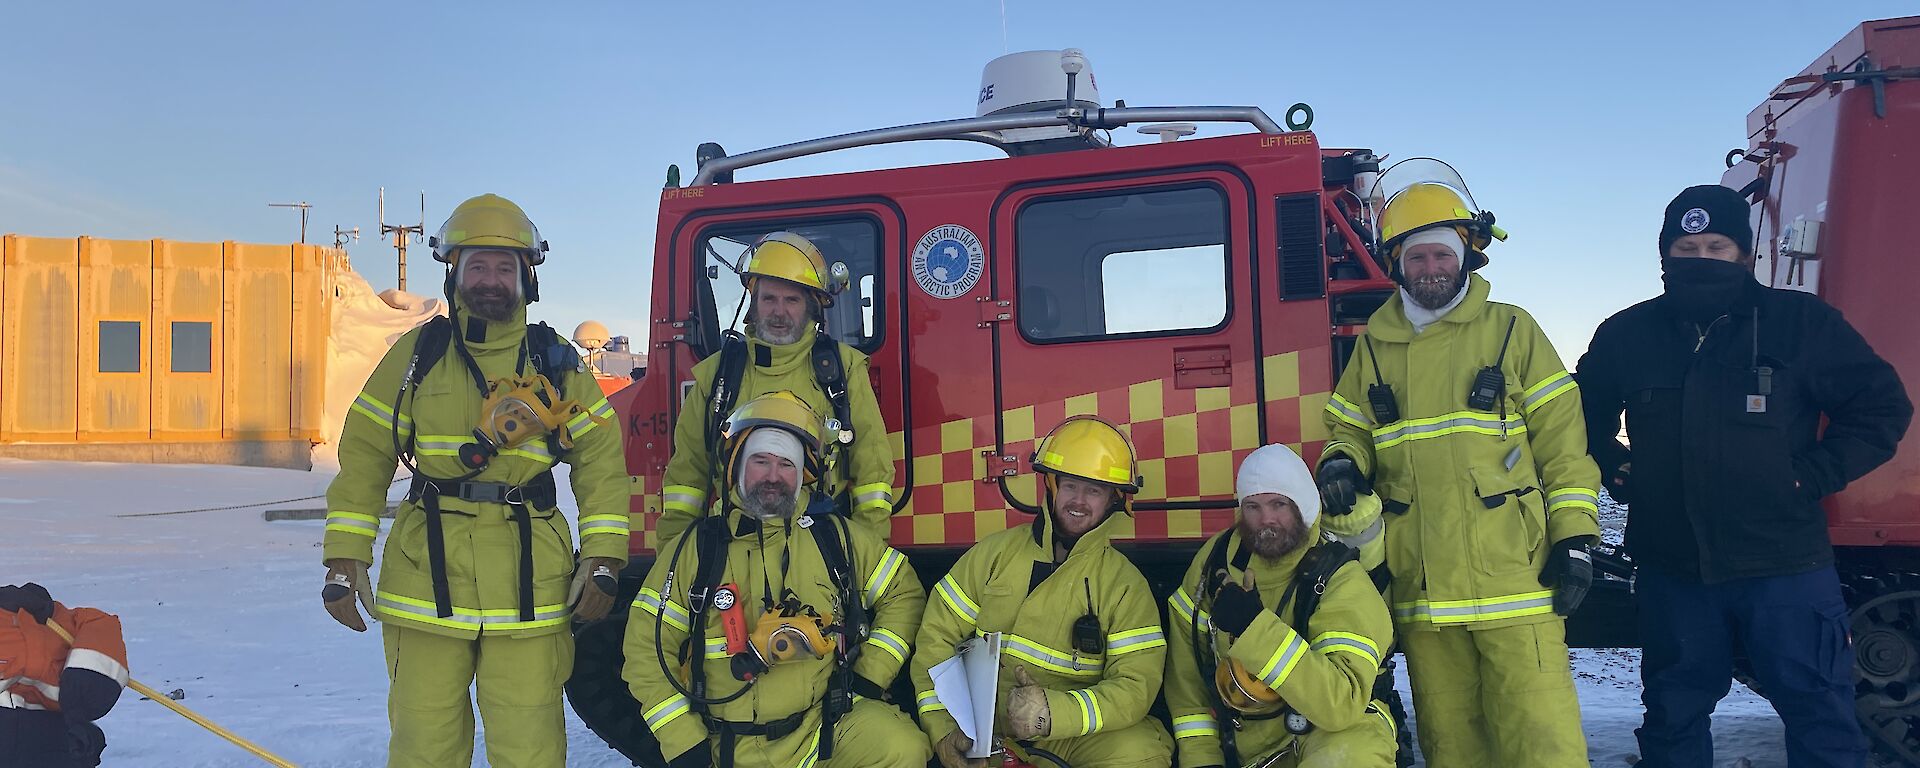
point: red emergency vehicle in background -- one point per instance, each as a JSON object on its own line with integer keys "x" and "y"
{"x": 1204, "y": 294}
{"x": 1832, "y": 166}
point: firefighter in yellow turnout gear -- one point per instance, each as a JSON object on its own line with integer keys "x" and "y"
{"x": 479, "y": 577}
{"x": 1246, "y": 680}
{"x": 1083, "y": 651}
{"x": 787, "y": 280}
{"x": 731, "y": 644}
{"x": 1458, "y": 413}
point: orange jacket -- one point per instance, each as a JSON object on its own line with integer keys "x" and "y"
{"x": 39, "y": 670}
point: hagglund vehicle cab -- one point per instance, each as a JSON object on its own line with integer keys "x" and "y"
{"x": 1204, "y": 294}
{"x": 1199, "y": 293}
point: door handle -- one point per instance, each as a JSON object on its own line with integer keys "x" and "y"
{"x": 1198, "y": 367}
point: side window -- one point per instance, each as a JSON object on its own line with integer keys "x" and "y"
{"x": 857, "y": 312}
{"x": 1130, "y": 262}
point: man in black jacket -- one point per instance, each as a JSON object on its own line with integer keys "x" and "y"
{"x": 1724, "y": 383}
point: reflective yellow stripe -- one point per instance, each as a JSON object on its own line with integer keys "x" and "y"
{"x": 1379, "y": 710}
{"x": 608, "y": 524}
{"x": 889, "y": 642}
{"x": 685, "y": 498}
{"x": 1344, "y": 410}
{"x": 584, "y": 422}
{"x": 956, "y": 599}
{"x": 1280, "y": 665}
{"x": 872, "y": 495}
{"x": 717, "y": 648}
{"x": 1458, "y": 422}
{"x": 883, "y": 573}
{"x": 1145, "y": 638}
{"x": 353, "y": 522}
{"x": 1039, "y": 655}
{"x": 1182, "y": 605}
{"x": 1348, "y": 642}
{"x": 391, "y": 605}
{"x": 812, "y": 752}
{"x": 1470, "y": 611}
{"x": 1539, "y": 394}
{"x": 927, "y": 701}
{"x": 1189, "y": 726}
{"x": 666, "y": 711}
{"x": 675, "y": 616}
{"x": 1089, "y": 709}
{"x": 1579, "y": 498}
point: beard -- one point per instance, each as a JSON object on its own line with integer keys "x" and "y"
{"x": 1273, "y": 542}
{"x": 490, "y": 303}
{"x": 770, "y": 500}
{"x": 1434, "y": 291}
{"x": 777, "y": 331}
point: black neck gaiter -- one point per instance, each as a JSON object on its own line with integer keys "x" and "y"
{"x": 1701, "y": 290}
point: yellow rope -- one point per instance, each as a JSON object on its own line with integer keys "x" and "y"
{"x": 189, "y": 714}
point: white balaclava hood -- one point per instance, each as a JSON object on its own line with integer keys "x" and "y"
{"x": 1420, "y": 316}
{"x": 1277, "y": 469}
{"x": 778, "y": 442}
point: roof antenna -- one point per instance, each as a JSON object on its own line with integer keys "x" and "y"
{"x": 1072, "y": 62}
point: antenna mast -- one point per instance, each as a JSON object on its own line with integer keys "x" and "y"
{"x": 403, "y": 234}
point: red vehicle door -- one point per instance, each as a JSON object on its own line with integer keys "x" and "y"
{"x": 1131, "y": 299}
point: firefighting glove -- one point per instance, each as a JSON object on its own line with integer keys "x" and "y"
{"x": 1620, "y": 483}
{"x": 952, "y": 751}
{"x": 347, "y": 578}
{"x": 700, "y": 756}
{"x": 1236, "y": 606}
{"x": 1028, "y": 717}
{"x": 595, "y": 585}
{"x": 1569, "y": 571}
{"x": 1341, "y": 485}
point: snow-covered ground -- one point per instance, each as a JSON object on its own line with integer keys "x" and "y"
{"x": 225, "y": 607}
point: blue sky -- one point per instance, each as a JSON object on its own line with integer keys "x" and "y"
{"x": 1574, "y": 122}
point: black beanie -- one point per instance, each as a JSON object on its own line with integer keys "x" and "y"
{"x": 1708, "y": 208}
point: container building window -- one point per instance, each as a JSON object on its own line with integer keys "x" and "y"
{"x": 192, "y": 347}
{"x": 119, "y": 346}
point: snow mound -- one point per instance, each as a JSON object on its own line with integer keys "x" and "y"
{"x": 365, "y": 326}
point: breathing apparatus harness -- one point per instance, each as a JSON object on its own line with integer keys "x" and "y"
{"x": 787, "y": 630}
{"x": 829, "y": 373}
{"x": 1316, "y": 569}
{"x": 518, "y": 409}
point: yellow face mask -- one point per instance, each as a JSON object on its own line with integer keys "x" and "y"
{"x": 519, "y": 410}
{"x": 789, "y": 631}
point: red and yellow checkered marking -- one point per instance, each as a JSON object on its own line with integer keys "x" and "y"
{"x": 1189, "y": 443}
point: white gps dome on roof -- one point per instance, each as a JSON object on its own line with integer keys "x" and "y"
{"x": 591, "y": 335}
{"x": 1033, "y": 81}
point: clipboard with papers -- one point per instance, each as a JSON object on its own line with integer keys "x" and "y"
{"x": 971, "y": 675}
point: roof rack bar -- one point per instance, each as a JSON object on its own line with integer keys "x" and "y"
{"x": 983, "y": 129}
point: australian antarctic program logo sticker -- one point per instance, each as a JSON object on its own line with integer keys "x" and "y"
{"x": 948, "y": 261}
{"x": 1695, "y": 221}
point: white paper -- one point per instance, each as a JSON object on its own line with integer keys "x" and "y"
{"x": 972, "y": 675}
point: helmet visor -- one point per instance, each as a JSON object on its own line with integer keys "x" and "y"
{"x": 1407, "y": 173}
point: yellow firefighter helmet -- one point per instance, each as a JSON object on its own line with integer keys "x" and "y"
{"x": 1242, "y": 691}
{"x": 779, "y": 410}
{"x": 1089, "y": 448}
{"x": 795, "y": 259}
{"x": 1426, "y": 205}
{"x": 491, "y": 222}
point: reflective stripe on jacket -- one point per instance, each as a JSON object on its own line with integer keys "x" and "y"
{"x": 1473, "y": 497}
{"x": 865, "y": 469}
{"x": 482, "y": 541}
